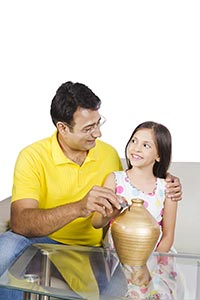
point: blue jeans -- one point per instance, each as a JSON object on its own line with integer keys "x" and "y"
{"x": 11, "y": 246}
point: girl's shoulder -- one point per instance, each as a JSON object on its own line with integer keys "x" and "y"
{"x": 161, "y": 182}
{"x": 160, "y": 185}
{"x": 120, "y": 174}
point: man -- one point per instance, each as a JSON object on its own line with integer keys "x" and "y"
{"x": 58, "y": 181}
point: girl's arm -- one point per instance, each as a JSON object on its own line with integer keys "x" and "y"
{"x": 168, "y": 225}
{"x": 98, "y": 220}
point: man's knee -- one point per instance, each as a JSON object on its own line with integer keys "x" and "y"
{"x": 11, "y": 246}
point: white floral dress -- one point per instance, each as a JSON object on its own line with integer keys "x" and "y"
{"x": 166, "y": 283}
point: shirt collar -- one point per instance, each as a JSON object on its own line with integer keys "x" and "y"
{"x": 60, "y": 158}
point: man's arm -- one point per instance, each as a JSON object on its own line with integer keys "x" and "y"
{"x": 29, "y": 220}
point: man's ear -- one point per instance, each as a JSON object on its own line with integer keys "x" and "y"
{"x": 61, "y": 127}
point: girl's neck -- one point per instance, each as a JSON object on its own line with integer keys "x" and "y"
{"x": 142, "y": 179}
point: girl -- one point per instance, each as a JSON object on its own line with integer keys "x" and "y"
{"x": 148, "y": 156}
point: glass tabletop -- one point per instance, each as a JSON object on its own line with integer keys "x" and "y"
{"x": 79, "y": 272}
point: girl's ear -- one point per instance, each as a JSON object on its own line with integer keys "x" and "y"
{"x": 158, "y": 159}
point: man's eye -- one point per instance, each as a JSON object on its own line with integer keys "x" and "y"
{"x": 87, "y": 130}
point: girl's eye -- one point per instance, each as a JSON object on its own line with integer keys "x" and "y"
{"x": 147, "y": 146}
{"x": 133, "y": 141}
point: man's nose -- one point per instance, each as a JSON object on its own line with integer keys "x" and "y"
{"x": 97, "y": 132}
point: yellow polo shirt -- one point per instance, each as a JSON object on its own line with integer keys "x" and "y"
{"x": 44, "y": 173}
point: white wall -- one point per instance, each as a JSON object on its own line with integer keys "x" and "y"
{"x": 140, "y": 57}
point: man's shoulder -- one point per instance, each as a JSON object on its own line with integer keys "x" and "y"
{"x": 104, "y": 145}
{"x": 107, "y": 153}
{"x": 39, "y": 146}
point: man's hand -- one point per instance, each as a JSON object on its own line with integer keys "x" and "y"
{"x": 173, "y": 188}
{"x": 99, "y": 199}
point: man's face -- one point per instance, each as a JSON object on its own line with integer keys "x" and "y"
{"x": 86, "y": 129}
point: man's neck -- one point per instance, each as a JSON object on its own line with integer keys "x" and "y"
{"x": 77, "y": 156}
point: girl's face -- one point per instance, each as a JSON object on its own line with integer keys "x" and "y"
{"x": 142, "y": 150}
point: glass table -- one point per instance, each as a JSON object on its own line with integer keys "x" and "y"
{"x": 49, "y": 271}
